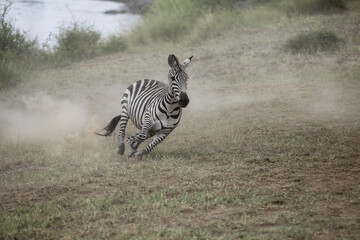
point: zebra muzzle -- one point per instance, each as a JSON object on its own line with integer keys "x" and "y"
{"x": 184, "y": 100}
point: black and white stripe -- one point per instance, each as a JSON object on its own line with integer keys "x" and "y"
{"x": 154, "y": 107}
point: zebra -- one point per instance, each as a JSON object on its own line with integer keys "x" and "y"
{"x": 154, "y": 107}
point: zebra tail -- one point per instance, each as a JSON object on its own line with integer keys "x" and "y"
{"x": 110, "y": 127}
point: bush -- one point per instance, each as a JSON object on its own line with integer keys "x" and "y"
{"x": 113, "y": 45}
{"x": 12, "y": 39}
{"x": 76, "y": 42}
{"x": 8, "y": 77}
{"x": 313, "y": 42}
{"x": 15, "y": 46}
{"x": 314, "y": 6}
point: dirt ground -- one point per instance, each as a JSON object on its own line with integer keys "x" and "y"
{"x": 269, "y": 147}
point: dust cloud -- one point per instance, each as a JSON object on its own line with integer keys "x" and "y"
{"x": 41, "y": 117}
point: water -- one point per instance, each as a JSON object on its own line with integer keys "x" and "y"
{"x": 43, "y": 18}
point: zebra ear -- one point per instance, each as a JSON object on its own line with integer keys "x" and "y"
{"x": 187, "y": 61}
{"x": 173, "y": 61}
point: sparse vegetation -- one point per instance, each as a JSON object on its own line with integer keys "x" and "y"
{"x": 313, "y": 42}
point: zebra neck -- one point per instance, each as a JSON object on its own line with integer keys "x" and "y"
{"x": 169, "y": 98}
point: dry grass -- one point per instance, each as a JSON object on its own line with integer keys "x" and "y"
{"x": 267, "y": 149}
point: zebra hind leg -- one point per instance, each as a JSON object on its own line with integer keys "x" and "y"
{"x": 121, "y": 135}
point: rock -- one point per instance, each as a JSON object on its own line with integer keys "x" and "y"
{"x": 113, "y": 12}
{"x": 137, "y": 6}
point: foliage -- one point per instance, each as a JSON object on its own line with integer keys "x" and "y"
{"x": 313, "y": 42}
{"x": 14, "y": 47}
{"x": 12, "y": 39}
{"x": 8, "y": 77}
{"x": 113, "y": 45}
{"x": 195, "y": 20}
{"x": 76, "y": 42}
{"x": 314, "y": 6}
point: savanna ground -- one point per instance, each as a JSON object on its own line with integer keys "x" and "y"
{"x": 268, "y": 148}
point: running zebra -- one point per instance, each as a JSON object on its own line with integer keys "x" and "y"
{"x": 154, "y": 107}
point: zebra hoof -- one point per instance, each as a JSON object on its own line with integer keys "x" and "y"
{"x": 121, "y": 149}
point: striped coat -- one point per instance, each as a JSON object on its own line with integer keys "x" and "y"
{"x": 154, "y": 107}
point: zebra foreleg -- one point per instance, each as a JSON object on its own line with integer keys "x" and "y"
{"x": 134, "y": 142}
{"x": 156, "y": 140}
{"x": 133, "y": 145}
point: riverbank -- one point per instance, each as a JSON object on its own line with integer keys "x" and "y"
{"x": 44, "y": 19}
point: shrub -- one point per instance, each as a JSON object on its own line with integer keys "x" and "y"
{"x": 8, "y": 77}
{"x": 113, "y": 45}
{"x": 14, "y": 48}
{"x": 76, "y": 42}
{"x": 314, "y": 6}
{"x": 313, "y": 42}
{"x": 12, "y": 39}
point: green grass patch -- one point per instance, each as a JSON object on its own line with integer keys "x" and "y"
{"x": 53, "y": 218}
{"x": 313, "y": 42}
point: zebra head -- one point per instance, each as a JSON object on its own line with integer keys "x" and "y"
{"x": 178, "y": 79}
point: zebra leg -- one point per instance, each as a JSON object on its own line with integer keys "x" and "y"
{"x": 121, "y": 135}
{"x": 133, "y": 148}
{"x": 135, "y": 140}
{"x": 156, "y": 140}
